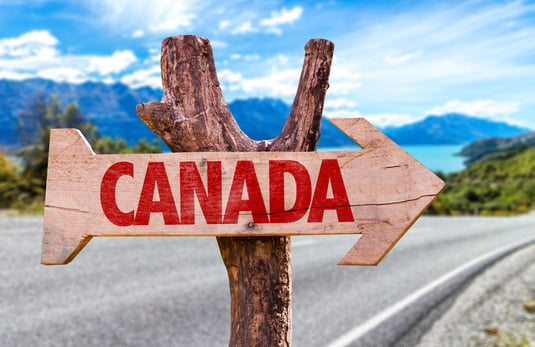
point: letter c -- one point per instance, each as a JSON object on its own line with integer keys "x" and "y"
{"x": 107, "y": 194}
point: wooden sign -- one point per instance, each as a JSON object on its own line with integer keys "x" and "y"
{"x": 378, "y": 192}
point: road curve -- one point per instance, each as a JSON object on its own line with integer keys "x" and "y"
{"x": 174, "y": 291}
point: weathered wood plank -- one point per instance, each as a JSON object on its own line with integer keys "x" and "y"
{"x": 378, "y": 191}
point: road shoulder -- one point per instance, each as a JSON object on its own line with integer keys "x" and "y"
{"x": 491, "y": 308}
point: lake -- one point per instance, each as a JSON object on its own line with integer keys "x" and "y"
{"x": 434, "y": 157}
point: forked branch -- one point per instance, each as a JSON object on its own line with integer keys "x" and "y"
{"x": 192, "y": 117}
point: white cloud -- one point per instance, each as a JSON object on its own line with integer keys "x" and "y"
{"x": 390, "y": 119}
{"x": 339, "y": 103}
{"x": 246, "y": 57}
{"x": 381, "y": 120}
{"x": 172, "y": 24}
{"x": 218, "y": 44}
{"x": 14, "y": 75}
{"x": 344, "y": 80}
{"x": 284, "y": 16}
{"x": 279, "y": 77}
{"x": 342, "y": 113}
{"x": 281, "y": 17}
{"x": 245, "y": 28}
{"x": 155, "y": 15}
{"x": 153, "y": 58}
{"x": 270, "y": 24}
{"x": 224, "y": 24}
{"x": 34, "y": 43}
{"x": 346, "y": 108}
{"x": 276, "y": 83}
{"x": 480, "y": 108}
{"x": 282, "y": 59}
{"x": 138, "y": 33}
{"x": 151, "y": 77}
{"x": 274, "y": 30}
{"x": 34, "y": 54}
{"x": 398, "y": 59}
{"x": 115, "y": 63}
{"x": 26, "y": 55}
{"x": 63, "y": 74}
{"x": 344, "y": 86}
{"x": 229, "y": 77}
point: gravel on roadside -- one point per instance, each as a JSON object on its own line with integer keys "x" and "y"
{"x": 494, "y": 309}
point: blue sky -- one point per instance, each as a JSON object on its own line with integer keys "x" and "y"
{"x": 394, "y": 62}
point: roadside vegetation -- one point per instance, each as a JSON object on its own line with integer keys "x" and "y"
{"x": 23, "y": 172}
{"x": 501, "y": 184}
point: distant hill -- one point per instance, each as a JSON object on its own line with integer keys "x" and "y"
{"x": 486, "y": 149}
{"x": 451, "y": 129}
{"x": 503, "y": 185}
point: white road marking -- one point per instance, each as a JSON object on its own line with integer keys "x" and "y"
{"x": 362, "y": 329}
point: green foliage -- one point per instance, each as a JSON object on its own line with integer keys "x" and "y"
{"x": 498, "y": 338}
{"x": 23, "y": 186}
{"x": 107, "y": 145}
{"x": 25, "y": 195}
{"x": 143, "y": 146}
{"x": 504, "y": 185}
{"x": 9, "y": 183}
{"x": 34, "y": 124}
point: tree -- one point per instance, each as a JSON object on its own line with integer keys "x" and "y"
{"x": 107, "y": 145}
{"x": 9, "y": 182}
{"x": 34, "y": 125}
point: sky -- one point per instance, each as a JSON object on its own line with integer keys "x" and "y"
{"x": 394, "y": 62}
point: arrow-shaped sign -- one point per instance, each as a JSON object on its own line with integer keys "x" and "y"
{"x": 378, "y": 192}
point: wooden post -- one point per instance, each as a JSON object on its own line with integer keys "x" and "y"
{"x": 193, "y": 116}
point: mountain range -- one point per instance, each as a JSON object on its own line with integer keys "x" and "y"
{"x": 112, "y": 108}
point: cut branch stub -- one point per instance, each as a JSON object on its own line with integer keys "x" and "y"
{"x": 193, "y": 117}
{"x": 302, "y": 129}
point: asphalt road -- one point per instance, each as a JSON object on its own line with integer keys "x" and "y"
{"x": 174, "y": 291}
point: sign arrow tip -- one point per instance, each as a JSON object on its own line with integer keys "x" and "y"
{"x": 415, "y": 189}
